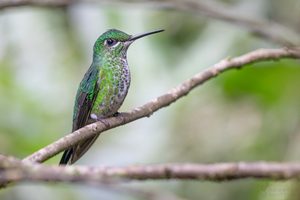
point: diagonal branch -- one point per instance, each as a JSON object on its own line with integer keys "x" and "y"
{"x": 162, "y": 101}
{"x": 15, "y": 170}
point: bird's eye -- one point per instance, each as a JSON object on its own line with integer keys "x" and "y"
{"x": 110, "y": 42}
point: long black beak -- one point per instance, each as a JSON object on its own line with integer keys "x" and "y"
{"x": 135, "y": 37}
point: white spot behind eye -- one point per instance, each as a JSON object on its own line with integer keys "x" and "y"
{"x": 117, "y": 44}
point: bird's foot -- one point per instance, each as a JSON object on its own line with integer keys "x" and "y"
{"x": 122, "y": 115}
{"x": 102, "y": 120}
{"x": 117, "y": 114}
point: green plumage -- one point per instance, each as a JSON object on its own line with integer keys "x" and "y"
{"x": 103, "y": 87}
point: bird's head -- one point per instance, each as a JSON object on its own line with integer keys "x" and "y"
{"x": 114, "y": 43}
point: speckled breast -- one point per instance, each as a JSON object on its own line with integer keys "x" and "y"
{"x": 115, "y": 90}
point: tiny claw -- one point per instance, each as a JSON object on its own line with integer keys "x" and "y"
{"x": 122, "y": 115}
{"x": 116, "y": 114}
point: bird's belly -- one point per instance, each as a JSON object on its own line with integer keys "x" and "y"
{"x": 113, "y": 100}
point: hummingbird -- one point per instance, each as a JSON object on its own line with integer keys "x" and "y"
{"x": 103, "y": 87}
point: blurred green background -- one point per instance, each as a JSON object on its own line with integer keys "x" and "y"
{"x": 243, "y": 115}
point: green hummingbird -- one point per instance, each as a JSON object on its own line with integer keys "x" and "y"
{"x": 103, "y": 87}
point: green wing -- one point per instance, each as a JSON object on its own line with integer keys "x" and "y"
{"x": 85, "y": 98}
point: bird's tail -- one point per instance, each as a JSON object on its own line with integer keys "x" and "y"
{"x": 74, "y": 153}
{"x": 66, "y": 156}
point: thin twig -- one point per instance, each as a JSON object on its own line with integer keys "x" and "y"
{"x": 269, "y": 30}
{"x": 262, "y": 28}
{"x": 162, "y": 101}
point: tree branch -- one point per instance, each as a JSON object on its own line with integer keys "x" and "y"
{"x": 15, "y": 170}
{"x": 162, "y": 101}
{"x": 47, "y": 3}
{"x": 265, "y": 29}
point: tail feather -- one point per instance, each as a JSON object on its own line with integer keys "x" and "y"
{"x": 74, "y": 153}
{"x": 66, "y": 157}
